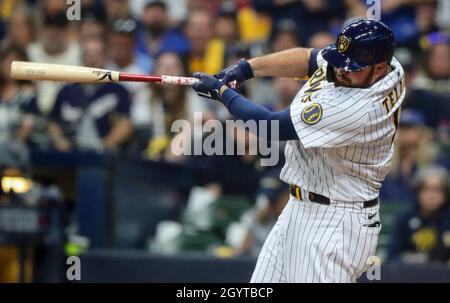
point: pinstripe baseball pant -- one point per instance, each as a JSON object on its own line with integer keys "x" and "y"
{"x": 318, "y": 243}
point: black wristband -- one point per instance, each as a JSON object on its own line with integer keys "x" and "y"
{"x": 246, "y": 69}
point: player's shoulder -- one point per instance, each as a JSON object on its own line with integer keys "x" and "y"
{"x": 314, "y": 63}
{"x": 319, "y": 58}
{"x": 393, "y": 79}
{"x": 397, "y": 73}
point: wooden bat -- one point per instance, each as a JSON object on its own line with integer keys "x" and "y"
{"x": 21, "y": 70}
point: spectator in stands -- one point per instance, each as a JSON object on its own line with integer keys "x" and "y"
{"x": 177, "y": 10}
{"x": 413, "y": 150}
{"x": 286, "y": 90}
{"x": 206, "y": 53}
{"x": 18, "y": 110}
{"x": 423, "y": 232}
{"x": 53, "y": 46}
{"x": 18, "y": 100}
{"x": 157, "y": 35}
{"x": 311, "y": 16}
{"x": 410, "y": 20}
{"x": 273, "y": 195}
{"x": 93, "y": 9}
{"x": 400, "y": 16}
{"x": 117, "y": 9}
{"x": 422, "y": 100}
{"x": 437, "y": 64}
{"x": 226, "y": 25}
{"x": 426, "y": 17}
{"x": 121, "y": 46}
{"x": 208, "y": 5}
{"x": 21, "y": 30}
{"x": 91, "y": 116}
{"x": 285, "y": 35}
{"x": 227, "y": 33}
{"x": 218, "y": 172}
{"x": 434, "y": 104}
{"x": 121, "y": 41}
{"x": 443, "y": 14}
{"x": 254, "y": 26}
{"x": 321, "y": 40}
{"x": 169, "y": 103}
{"x": 90, "y": 27}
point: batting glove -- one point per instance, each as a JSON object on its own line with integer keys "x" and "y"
{"x": 208, "y": 86}
{"x": 240, "y": 72}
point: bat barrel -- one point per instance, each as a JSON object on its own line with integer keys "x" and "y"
{"x": 21, "y": 70}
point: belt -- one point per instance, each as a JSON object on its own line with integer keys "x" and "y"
{"x": 316, "y": 198}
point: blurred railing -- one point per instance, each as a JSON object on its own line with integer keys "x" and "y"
{"x": 136, "y": 266}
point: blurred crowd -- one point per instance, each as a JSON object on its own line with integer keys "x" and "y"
{"x": 177, "y": 37}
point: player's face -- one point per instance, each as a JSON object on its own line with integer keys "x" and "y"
{"x": 361, "y": 78}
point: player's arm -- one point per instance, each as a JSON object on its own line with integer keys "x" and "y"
{"x": 291, "y": 63}
{"x": 341, "y": 126}
{"x": 243, "y": 109}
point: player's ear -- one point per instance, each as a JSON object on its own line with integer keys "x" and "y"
{"x": 380, "y": 68}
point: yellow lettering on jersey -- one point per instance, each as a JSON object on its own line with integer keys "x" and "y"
{"x": 314, "y": 84}
{"x": 390, "y": 101}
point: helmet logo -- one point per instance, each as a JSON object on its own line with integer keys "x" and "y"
{"x": 343, "y": 43}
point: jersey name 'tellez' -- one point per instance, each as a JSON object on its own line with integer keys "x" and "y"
{"x": 346, "y": 135}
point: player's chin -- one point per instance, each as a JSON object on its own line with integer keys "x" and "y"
{"x": 342, "y": 82}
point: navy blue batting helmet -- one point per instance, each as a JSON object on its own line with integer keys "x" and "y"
{"x": 361, "y": 43}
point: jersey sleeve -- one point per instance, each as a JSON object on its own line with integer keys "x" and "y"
{"x": 326, "y": 124}
{"x": 315, "y": 61}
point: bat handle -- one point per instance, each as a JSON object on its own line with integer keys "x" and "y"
{"x": 158, "y": 79}
{"x": 178, "y": 80}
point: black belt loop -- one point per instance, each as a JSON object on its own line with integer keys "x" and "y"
{"x": 313, "y": 197}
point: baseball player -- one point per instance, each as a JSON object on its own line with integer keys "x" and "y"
{"x": 340, "y": 130}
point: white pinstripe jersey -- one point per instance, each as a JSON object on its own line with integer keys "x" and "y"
{"x": 346, "y": 135}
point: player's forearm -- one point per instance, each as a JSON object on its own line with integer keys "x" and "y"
{"x": 290, "y": 63}
{"x": 245, "y": 110}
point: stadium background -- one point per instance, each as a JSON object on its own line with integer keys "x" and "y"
{"x": 82, "y": 177}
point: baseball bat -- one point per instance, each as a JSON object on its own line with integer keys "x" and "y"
{"x": 21, "y": 70}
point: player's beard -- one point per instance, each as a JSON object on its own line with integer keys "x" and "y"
{"x": 346, "y": 81}
{"x": 369, "y": 79}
